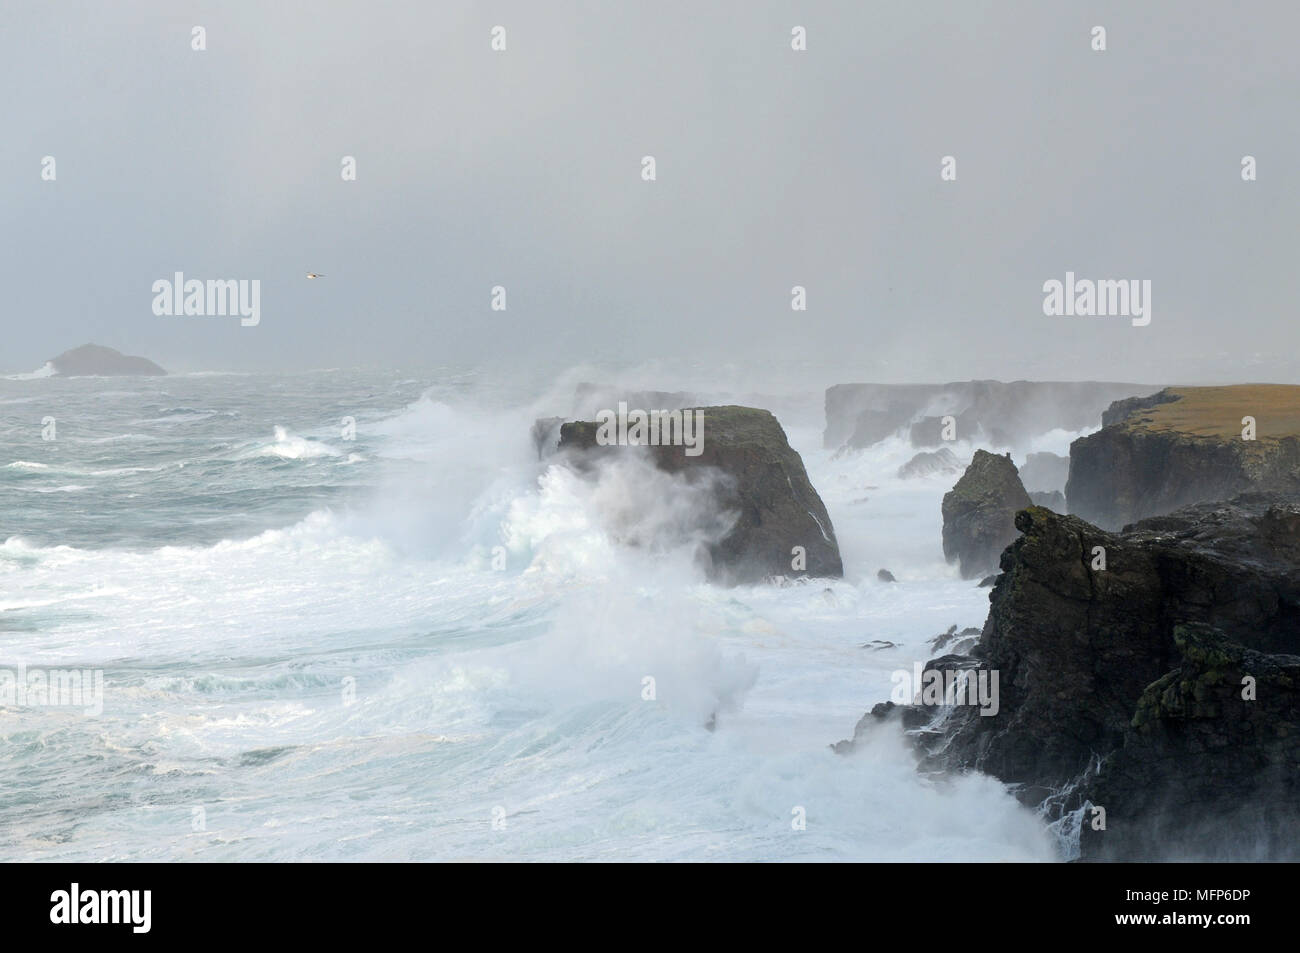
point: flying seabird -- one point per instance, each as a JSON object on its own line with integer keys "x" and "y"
{"x": 312, "y": 274}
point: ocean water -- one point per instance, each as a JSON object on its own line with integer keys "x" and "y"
{"x": 424, "y": 644}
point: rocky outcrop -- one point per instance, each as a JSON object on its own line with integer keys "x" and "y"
{"x": 979, "y": 513}
{"x": 1185, "y": 445}
{"x": 1120, "y": 660}
{"x": 1210, "y": 763}
{"x": 997, "y": 413}
{"x": 955, "y": 642}
{"x": 927, "y": 462}
{"x": 94, "y": 360}
{"x": 765, "y": 485}
{"x": 1122, "y": 409}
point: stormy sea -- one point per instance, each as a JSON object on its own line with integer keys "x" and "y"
{"x": 357, "y": 615}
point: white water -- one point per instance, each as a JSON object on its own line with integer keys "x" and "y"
{"x": 362, "y": 683}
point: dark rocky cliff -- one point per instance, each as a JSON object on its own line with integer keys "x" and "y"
{"x": 1210, "y": 764}
{"x": 979, "y": 513}
{"x": 767, "y": 488}
{"x": 1138, "y": 668}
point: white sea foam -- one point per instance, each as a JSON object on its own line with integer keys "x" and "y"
{"x": 363, "y": 683}
{"x": 35, "y": 466}
{"x": 288, "y": 446}
{"x": 45, "y": 370}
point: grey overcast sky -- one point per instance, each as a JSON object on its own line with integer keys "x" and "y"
{"x": 775, "y": 168}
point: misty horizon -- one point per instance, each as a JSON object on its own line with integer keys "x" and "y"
{"x": 521, "y": 168}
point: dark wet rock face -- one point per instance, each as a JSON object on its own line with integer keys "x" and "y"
{"x": 884, "y": 575}
{"x": 1185, "y": 445}
{"x": 94, "y": 360}
{"x": 1140, "y": 665}
{"x": 979, "y": 514}
{"x": 1210, "y": 764}
{"x": 765, "y": 485}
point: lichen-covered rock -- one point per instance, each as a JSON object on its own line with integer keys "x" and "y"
{"x": 1185, "y": 445}
{"x": 766, "y": 486}
{"x": 1210, "y": 763}
{"x": 979, "y": 513}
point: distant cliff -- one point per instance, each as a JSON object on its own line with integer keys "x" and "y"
{"x": 998, "y": 414}
{"x": 1185, "y": 445}
{"x": 94, "y": 360}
